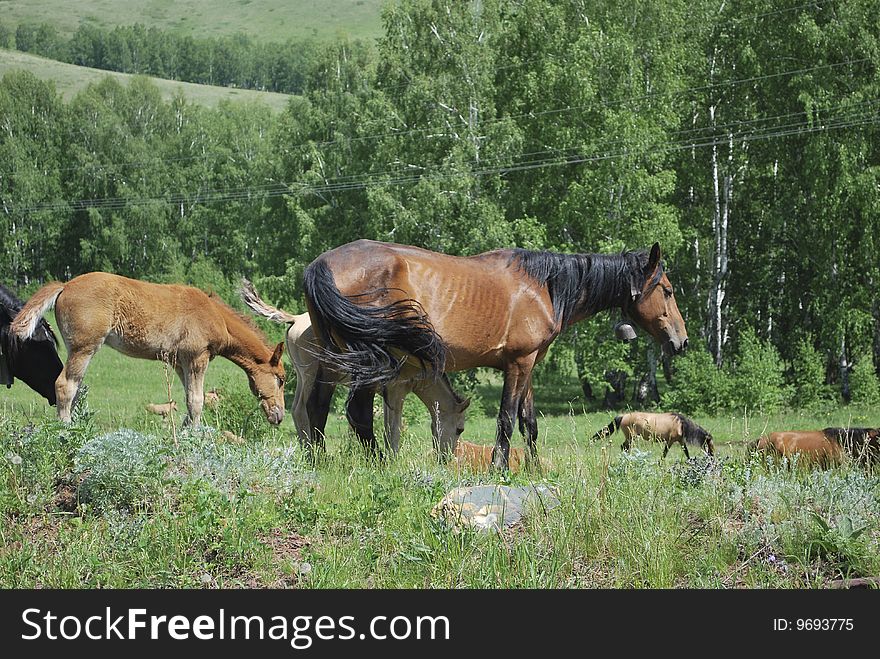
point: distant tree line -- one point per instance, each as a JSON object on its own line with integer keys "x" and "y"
{"x": 742, "y": 136}
{"x": 235, "y": 61}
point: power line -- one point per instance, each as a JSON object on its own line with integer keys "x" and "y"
{"x": 273, "y": 190}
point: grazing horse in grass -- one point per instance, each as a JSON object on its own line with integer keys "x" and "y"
{"x": 446, "y": 407}
{"x": 823, "y": 448}
{"x": 177, "y": 324}
{"x": 35, "y": 360}
{"x": 669, "y": 427}
{"x": 384, "y": 310}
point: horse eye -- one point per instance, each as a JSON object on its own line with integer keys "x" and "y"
{"x": 667, "y": 292}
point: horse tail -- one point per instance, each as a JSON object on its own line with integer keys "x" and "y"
{"x": 256, "y": 304}
{"x": 369, "y": 343}
{"x": 609, "y": 429}
{"x": 25, "y": 322}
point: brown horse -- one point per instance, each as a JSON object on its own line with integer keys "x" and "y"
{"x": 177, "y": 324}
{"x": 383, "y": 310}
{"x": 446, "y": 407}
{"x": 823, "y": 448}
{"x": 670, "y": 428}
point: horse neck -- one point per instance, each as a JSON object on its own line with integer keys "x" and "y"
{"x": 243, "y": 347}
{"x": 603, "y": 282}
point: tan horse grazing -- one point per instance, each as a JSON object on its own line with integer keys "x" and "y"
{"x": 446, "y": 407}
{"x": 178, "y": 324}
{"x": 823, "y": 448}
{"x": 669, "y": 427}
{"x": 478, "y": 458}
{"x": 382, "y": 310}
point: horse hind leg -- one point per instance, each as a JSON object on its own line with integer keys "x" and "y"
{"x": 317, "y": 409}
{"x": 359, "y": 411}
{"x": 68, "y": 384}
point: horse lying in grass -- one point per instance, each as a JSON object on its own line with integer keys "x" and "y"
{"x": 669, "y": 427}
{"x": 34, "y": 360}
{"x": 180, "y": 325}
{"x": 446, "y": 407}
{"x": 823, "y": 448}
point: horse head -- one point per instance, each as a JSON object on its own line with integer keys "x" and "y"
{"x": 267, "y": 384}
{"x": 34, "y": 361}
{"x": 653, "y": 308}
{"x": 37, "y": 365}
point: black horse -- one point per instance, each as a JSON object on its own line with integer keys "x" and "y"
{"x": 34, "y": 361}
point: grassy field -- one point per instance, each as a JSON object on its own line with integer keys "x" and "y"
{"x": 70, "y": 79}
{"x": 269, "y": 20}
{"x": 122, "y": 499}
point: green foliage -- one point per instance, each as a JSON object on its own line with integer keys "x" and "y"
{"x": 863, "y": 382}
{"x": 758, "y": 375}
{"x": 698, "y": 385}
{"x": 122, "y": 469}
{"x": 808, "y": 376}
{"x": 238, "y": 411}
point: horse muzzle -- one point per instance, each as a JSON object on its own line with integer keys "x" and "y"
{"x": 675, "y": 346}
{"x": 275, "y": 415}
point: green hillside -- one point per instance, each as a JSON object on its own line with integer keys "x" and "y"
{"x": 270, "y": 20}
{"x": 69, "y": 79}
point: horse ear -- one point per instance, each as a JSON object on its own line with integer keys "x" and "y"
{"x": 653, "y": 259}
{"x": 276, "y": 356}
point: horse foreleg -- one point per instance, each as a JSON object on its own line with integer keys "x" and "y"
{"x": 359, "y": 411}
{"x": 528, "y": 423}
{"x": 515, "y": 380}
{"x": 307, "y": 370}
{"x": 393, "y": 396}
{"x": 193, "y": 378}
{"x": 68, "y": 383}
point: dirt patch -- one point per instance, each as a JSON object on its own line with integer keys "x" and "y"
{"x": 66, "y": 497}
{"x": 286, "y": 545}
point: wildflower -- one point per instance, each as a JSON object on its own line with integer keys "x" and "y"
{"x": 15, "y": 459}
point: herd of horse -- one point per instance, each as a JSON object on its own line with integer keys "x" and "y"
{"x": 382, "y": 319}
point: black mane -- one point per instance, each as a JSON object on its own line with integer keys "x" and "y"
{"x": 694, "y": 434}
{"x": 586, "y": 283}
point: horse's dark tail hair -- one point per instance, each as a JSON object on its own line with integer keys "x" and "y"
{"x": 369, "y": 343}
{"x": 609, "y": 429}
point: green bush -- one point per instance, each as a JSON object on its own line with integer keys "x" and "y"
{"x": 863, "y": 383}
{"x": 758, "y": 375}
{"x": 809, "y": 390}
{"x": 122, "y": 470}
{"x": 698, "y": 385}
